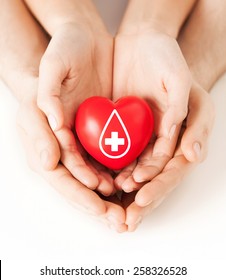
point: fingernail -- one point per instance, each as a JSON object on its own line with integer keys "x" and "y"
{"x": 138, "y": 178}
{"x": 44, "y": 156}
{"x": 127, "y": 188}
{"x": 91, "y": 183}
{"x": 52, "y": 122}
{"x": 172, "y": 131}
{"x": 197, "y": 149}
{"x": 147, "y": 203}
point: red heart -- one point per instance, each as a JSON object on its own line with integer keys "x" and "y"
{"x": 115, "y": 134}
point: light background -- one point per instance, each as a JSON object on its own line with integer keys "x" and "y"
{"x": 37, "y": 224}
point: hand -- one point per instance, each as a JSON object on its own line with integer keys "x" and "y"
{"x": 197, "y": 128}
{"x": 38, "y": 138}
{"x": 76, "y": 65}
{"x": 152, "y": 66}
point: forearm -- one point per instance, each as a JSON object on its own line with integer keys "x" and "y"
{"x": 203, "y": 42}
{"x": 163, "y": 15}
{"x": 54, "y": 13}
{"x": 22, "y": 44}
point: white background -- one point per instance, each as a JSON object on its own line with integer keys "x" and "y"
{"x": 39, "y": 228}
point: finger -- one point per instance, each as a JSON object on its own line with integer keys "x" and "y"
{"x": 130, "y": 185}
{"x": 86, "y": 200}
{"x": 124, "y": 180}
{"x": 123, "y": 175}
{"x": 51, "y": 75}
{"x": 62, "y": 181}
{"x": 75, "y": 192}
{"x": 199, "y": 124}
{"x": 106, "y": 183}
{"x": 155, "y": 157}
{"x": 72, "y": 159}
{"x": 115, "y": 214}
{"x": 136, "y": 214}
{"x": 164, "y": 183}
{"x": 177, "y": 89}
{"x": 32, "y": 124}
{"x": 72, "y": 190}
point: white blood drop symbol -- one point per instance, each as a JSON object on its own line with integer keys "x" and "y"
{"x": 114, "y": 141}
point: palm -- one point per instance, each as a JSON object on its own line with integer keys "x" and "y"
{"x": 83, "y": 70}
{"x": 145, "y": 68}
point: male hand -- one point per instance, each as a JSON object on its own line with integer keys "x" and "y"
{"x": 37, "y": 138}
{"x": 197, "y": 127}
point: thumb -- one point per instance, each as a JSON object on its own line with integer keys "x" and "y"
{"x": 171, "y": 119}
{"x": 47, "y": 148}
{"x": 51, "y": 76}
{"x": 200, "y": 121}
{"x": 178, "y": 94}
{"x": 39, "y": 141}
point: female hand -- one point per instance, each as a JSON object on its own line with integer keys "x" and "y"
{"x": 76, "y": 65}
{"x": 151, "y": 65}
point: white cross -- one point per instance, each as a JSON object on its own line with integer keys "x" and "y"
{"x": 114, "y": 141}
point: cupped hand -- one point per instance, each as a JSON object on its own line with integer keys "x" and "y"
{"x": 151, "y": 65}
{"x": 39, "y": 141}
{"x": 196, "y": 129}
{"x": 76, "y": 65}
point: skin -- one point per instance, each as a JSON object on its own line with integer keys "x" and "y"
{"x": 147, "y": 49}
{"x": 20, "y": 72}
{"x": 128, "y": 213}
{"x": 168, "y": 74}
{"x": 72, "y": 84}
{"x": 148, "y": 32}
{"x": 200, "y": 120}
{"x": 79, "y": 61}
{"x": 203, "y": 52}
{"x": 76, "y": 26}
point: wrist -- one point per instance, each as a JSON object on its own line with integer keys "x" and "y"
{"x": 22, "y": 84}
{"x": 84, "y": 24}
{"x": 54, "y": 14}
{"x": 148, "y": 27}
{"x": 165, "y": 16}
{"x": 71, "y": 29}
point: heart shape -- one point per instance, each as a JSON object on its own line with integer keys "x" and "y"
{"x": 114, "y": 134}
